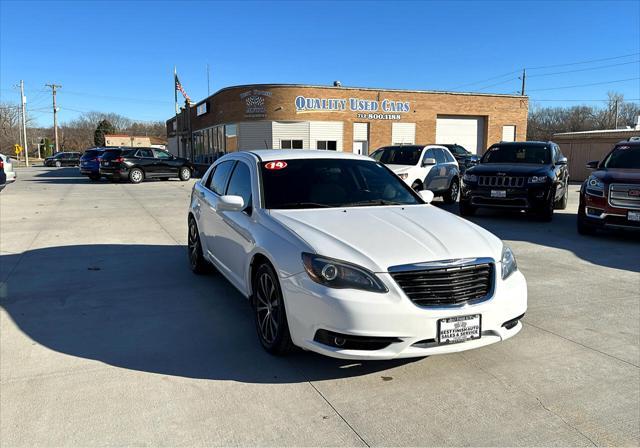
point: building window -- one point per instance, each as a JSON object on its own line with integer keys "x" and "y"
{"x": 330, "y": 145}
{"x": 291, "y": 144}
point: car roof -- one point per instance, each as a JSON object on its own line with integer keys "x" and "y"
{"x": 528, "y": 143}
{"x": 267, "y": 155}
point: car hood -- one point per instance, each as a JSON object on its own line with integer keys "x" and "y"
{"x": 525, "y": 169}
{"x": 399, "y": 168}
{"x": 380, "y": 237}
{"x": 609, "y": 175}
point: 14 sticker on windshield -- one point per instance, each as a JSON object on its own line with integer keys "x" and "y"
{"x": 275, "y": 165}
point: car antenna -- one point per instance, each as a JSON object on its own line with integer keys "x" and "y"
{"x": 265, "y": 144}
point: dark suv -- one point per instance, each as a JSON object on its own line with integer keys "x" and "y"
{"x": 63, "y": 159}
{"x": 465, "y": 158}
{"x": 610, "y": 197}
{"x": 137, "y": 164}
{"x": 531, "y": 176}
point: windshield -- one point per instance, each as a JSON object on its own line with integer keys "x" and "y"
{"x": 398, "y": 155}
{"x": 318, "y": 183}
{"x": 624, "y": 156}
{"x": 538, "y": 154}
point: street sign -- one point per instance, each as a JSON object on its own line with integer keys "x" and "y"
{"x": 18, "y": 148}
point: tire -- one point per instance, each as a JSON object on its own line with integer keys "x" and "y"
{"x": 583, "y": 227}
{"x": 466, "y": 209}
{"x": 184, "y": 174}
{"x": 562, "y": 202}
{"x": 270, "y": 314}
{"x": 136, "y": 175}
{"x": 58, "y": 164}
{"x": 197, "y": 262}
{"x": 546, "y": 213}
{"x": 451, "y": 195}
{"x": 417, "y": 185}
{"x": 94, "y": 177}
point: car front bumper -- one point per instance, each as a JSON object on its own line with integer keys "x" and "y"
{"x": 312, "y": 307}
{"x": 525, "y": 198}
{"x": 597, "y": 212}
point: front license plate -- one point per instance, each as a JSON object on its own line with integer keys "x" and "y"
{"x": 498, "y": 193}
{"x": 459, "y": 329}
{"x": 633, "y": 216}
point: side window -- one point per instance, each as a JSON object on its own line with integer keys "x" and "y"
{"x": 428, "y": 154}
{"x": 439, "y": 155}
{"x": 240, "y": 183}
{"x": 147, "y": 153}
{"x": 220, "y": 177}
{"x": 162, "y": 154}
{"x": 448, "y": 156}
{"x": 207, "y": 180}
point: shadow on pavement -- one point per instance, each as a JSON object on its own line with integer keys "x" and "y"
{"x": 139, "y": 307}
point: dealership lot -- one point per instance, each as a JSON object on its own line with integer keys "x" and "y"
{"x": 108, "y": 339}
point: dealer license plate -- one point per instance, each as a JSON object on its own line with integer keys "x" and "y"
{"x": 498, "y": 193}
{"x": 459, "y": 329}
{"x": 633, "y": 215}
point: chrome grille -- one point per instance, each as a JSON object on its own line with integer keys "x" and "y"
{"x": 501, "y": 181}
{"x": 624, "y": 195}
{"x": 445, "y": 283}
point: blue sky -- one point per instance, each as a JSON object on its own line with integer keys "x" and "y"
{"x": 119, "y": 56}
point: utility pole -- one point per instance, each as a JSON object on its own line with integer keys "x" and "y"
{"x": 55, "y": 111}
{"x": 524, "y": 80}
{"x": 23, "y": 102}
{"x": 616, "y": 116}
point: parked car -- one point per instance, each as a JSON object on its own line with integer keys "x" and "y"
{"x": 137, "y": 164}
{"x": 90, "y": 163}
{"x": 338, "y": 256}
{"x": 610, "y": 197}
{"x": 63, "y": 159}
{"x": 531, "y": 176}
{"x": 464, "y": 158}
{"x": 430, "y": 167}
{"x": 8, "y": 168}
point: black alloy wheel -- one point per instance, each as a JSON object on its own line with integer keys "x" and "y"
{"x": 196, "y": 260}
{"x": 546, "y": 213}
{"x": 466, "y": 209}
{"x": 270, "y": 314}
{"x": 562, "y": 203}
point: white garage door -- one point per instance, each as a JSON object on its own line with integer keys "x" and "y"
{"x": 463, "y": 130}
{"x": 403, "y": 133}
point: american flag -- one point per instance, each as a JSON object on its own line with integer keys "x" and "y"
{"x": 179, "y": 87}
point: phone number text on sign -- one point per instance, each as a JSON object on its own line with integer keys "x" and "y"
{"x": 379, "y": 116}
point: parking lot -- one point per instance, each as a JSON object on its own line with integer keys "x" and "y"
{"x": 107, "y": 338}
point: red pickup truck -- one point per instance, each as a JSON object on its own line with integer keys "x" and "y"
{"x": 610, "y": 197}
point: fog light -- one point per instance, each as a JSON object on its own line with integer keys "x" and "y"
{"x": 339, "y": 342}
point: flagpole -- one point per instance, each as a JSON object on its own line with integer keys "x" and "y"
{"x": 175, "y": 99}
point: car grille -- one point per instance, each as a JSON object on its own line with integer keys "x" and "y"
{"x": 501, "y": 181}
{"x": 446, "y": 283}
{"x": 624, "y": 195}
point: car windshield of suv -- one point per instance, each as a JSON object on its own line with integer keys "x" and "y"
{"x": 319, "y": 183}
{"x": 538, "y": 154}
{"x": 624, "y": 156}
{"x": 398, "y": 155}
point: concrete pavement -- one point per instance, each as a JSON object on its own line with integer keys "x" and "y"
{"x": 106, "y": 338}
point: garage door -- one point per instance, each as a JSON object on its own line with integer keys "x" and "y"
{"x": 463, "y": 130}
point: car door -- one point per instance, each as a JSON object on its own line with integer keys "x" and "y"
{"x": 234, "y": 241}
{"x": 144, "y": 159}
{"x": 436, "y": 178}
{"x": 426, "y": 169}
{"x": 165, "y": 163}
{"x": 211, "y": 222}
{"x": 561, "y": 173}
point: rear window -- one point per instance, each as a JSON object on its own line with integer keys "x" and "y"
{"x": 398, "y": 155}
{"x": 623, "y": 156}
{"x": 111, "y": 154}
{"x": 91, "y": 153}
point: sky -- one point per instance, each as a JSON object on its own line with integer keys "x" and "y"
{"x": 119, "y": 56}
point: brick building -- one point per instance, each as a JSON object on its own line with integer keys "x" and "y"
{"x": 134, "y": 140}
{"x": 342, "y": 118}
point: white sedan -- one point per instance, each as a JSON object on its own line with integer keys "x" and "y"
{"x": 338, "y": 256}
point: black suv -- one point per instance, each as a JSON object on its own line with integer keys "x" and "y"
{"x": 136, "y": 164}
{"x": 63, "y": 159}
{"x": 464, "y": 158}
{"x": 531, "y": 176}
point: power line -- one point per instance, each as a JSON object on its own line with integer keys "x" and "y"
{"x": 498, "y": 83}
{"x": 484, "y": 80}
{"x": 584, "y": 62}
{"x": 585, "y": 69}
{"x": 585, "y": 85}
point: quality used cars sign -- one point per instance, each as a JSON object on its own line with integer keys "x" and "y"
{"x": 305, "y": 104}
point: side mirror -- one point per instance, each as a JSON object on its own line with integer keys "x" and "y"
{"x": 562, "y": 161}
{"x": 426, "y": 195}
{"x": 230, "y": 203}
{"x": 429, "y": 161}
{"x": 593, "y": 164}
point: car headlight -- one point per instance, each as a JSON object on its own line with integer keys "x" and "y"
{"x": 470, "y": 177}
{"x": 340, "y": 274}
{"x": 508, "y": 262}
{"x": 595, "y": 186}
{"x": 537, "y": 179}
{"x": 403, "y": 176}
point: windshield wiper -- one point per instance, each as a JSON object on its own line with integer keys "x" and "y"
{"x": 303, "y": 205}
{"x": 373, "y": 202}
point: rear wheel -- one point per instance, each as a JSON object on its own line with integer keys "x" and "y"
{"x": 185, "y": 173}
{"x": 466, "y": 209}
{"x": 58, "y": 164}
{"x": 270, "y": 314}
{"x": 136, "y": 175}
{"x": 451, "y": 195}
{"x": 196, "y": 260}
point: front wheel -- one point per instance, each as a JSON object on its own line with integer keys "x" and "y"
{"x": 270, "y": 314}
{"x": 562, "y": 202}
{"x": 197, "y": 262}
{"x": 58, "y": 164}
{"x": 136, "y": 175}
{"x": 546, "y": 213}
{"x": 451, "y": 195}
{"x": 94, "y": 177}
{"x": 184, "y": 174}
